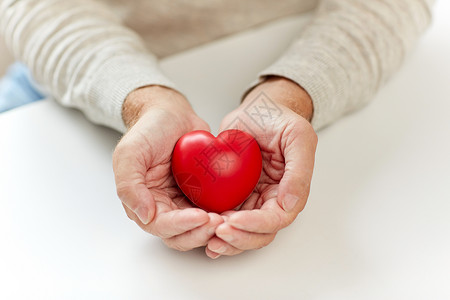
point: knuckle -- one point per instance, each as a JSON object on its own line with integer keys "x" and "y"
{"x": 176, "y": 246}
{"x": 305, "y": 128}
{"x": 262, "y": 242}
{"x": 269, "y": 240}
{"x": 182, "y": 248}
{"x": 123, "y": 191}
{"x": 121, "y": 152}
{"x": 157, "y": 230}
{"x": 118, "y": 151}
{"x": 147, "y": 228}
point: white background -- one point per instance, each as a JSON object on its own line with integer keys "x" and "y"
{"x": 376, "y": 226}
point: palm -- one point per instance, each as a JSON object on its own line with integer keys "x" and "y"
{"x": 287, "y": 143}
{"x": 273, "y": 165}
{"x": 162, "y": 186}
{"x": 266, "y": 190}
{"x": 156, "y": 153}
{"x": 143, "y": 162}
{"x": 143, "y": 174}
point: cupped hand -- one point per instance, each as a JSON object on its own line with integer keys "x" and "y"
{"x": 288, "y": 144}
{"x": 156, "y": 118}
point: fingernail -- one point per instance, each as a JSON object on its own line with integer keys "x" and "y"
{"x": 211, "y": 231}
{"x": 289, "y": 202}
{"x": 142, "y": 213}
{"x": 220, "y": 250}
{"x": 199, "y": 223}
{"x": 216, "y": 257}
{"x": 226, "y": 237}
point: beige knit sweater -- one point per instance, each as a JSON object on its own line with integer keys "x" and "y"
{"x": 91, "y": 54}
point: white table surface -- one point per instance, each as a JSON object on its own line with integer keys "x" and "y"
{"x": 377, "y": 224}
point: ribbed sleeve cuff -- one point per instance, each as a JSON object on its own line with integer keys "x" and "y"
{"x": 115, "y": 78}
{"x": 311, "y": 70}
{"x": 349, "y": 51}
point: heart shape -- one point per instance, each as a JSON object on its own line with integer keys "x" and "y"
{"x": 217, "y": 174}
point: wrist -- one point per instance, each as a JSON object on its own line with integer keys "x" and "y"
{"x": 286, "y": 92}
{"x": 141, "y": 100}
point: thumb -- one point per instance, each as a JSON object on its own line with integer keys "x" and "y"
{"x": 130, "y": 183}
{"x": 298, "y": 148}
{"x": 229, "y": 121}
{"x": 139, "y": 199}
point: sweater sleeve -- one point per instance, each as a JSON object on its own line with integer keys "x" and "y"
{"x": 82, "y": 55}
{"x": 350, "y": 48}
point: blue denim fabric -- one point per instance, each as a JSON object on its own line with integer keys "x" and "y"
{"x": 17, "y": 88}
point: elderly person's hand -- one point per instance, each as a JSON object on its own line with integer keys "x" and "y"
{"x": 156, "y": 118}
{"x": 277, "y": 114}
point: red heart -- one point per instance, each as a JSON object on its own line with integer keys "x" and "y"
{"x": 217, "y": 174}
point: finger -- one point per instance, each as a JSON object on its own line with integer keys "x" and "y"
{"x": 130, "y": 214}
{"x": 138, "y": 199}
{"x": 211, "y": 254}
{"x": 197, "y": 237}
{"x": 270, "y": 219}
{"x": 178, "y": 221}
{"x": 243, "y": 240}
{"x": 226, "y": 214}
{"x": 299, "y": 146}
{"x": 225, "y": 123}
{"x": 217, "y": 247}
{"x": 130, "y": 183}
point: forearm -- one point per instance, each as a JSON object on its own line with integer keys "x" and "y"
{"x": 79, "y": 51}
{"x": 286, "y": 92}
{"x": 349, "y": 50}
{"x": 141, "y": 100}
